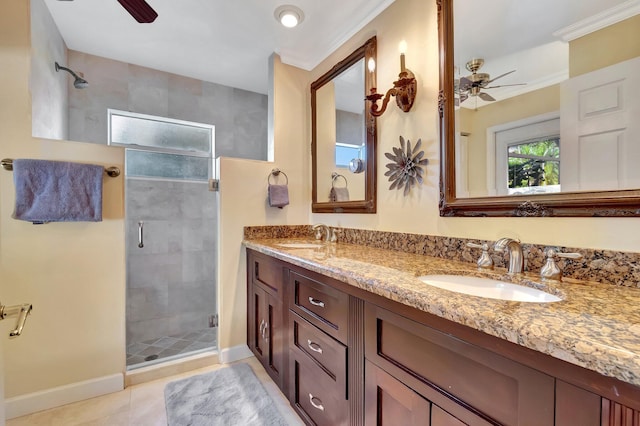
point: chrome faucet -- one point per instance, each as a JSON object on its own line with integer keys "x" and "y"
{"x": 330, "y": 234}
{"x": 321, "y": 228}
{"x": 516, "y": 259}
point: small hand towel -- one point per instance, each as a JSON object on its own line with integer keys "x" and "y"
{"x": 57, "y": 191}
{"x": 278, "y": 195}
{"x": 339, "y": 194}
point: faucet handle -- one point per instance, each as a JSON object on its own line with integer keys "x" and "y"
{"x": 334, "y": 235}
{"x": 551, "y": 271}
{"x": 484, "y": 261}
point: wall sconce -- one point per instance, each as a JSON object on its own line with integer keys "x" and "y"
{"x": 404, "y": 89}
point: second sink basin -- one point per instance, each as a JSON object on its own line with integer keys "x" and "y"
{"x": 489, "y": 288}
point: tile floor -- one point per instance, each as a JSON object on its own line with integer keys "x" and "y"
{"x": 139, "y": 405}
{"x": 140, "y": 353}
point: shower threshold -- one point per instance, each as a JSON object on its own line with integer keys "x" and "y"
{"x": 168, "y": 348}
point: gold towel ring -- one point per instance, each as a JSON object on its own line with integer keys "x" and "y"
{"x": 335, "y": 176}
{"x": 276, "y": 172}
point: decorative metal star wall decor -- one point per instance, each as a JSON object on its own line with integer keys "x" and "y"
{"x": 406, "y": 168}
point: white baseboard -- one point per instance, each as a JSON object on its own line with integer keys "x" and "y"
{"x": 55, "y": 397}
{"x": 235, "y": 353}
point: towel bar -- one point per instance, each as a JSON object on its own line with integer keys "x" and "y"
{"x": 335, "y": 176}
{"x": 276, "y": 172}
{"x": 7, "y": 164}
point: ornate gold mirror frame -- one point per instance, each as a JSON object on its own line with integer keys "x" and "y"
{"x": 596, "y": 203}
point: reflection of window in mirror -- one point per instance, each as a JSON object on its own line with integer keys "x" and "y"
{"x": 522, "y": 157}
{"x": 534, "y": 166}
{"x": 345, "y": 153}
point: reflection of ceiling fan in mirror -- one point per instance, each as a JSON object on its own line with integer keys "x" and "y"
{"x": 139, "y": 9}
{"x": 473, "y": 85}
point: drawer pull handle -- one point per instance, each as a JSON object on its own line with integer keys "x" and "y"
{"x": 314, "y": 346}
{"x": 318, "y": 406}
{"x": 316, "y": 302}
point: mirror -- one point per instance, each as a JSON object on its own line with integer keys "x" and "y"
{"x": 540, "y": 124}
{"x": 343, "y": 138}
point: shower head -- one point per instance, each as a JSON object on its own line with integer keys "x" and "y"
{"x": 79, "y": 82}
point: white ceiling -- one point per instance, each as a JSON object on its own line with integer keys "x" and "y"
{"x": 222, "y": 41}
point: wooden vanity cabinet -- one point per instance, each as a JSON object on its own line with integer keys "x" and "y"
{"x": 344, "y": 356}
{"x": 266, "y": 325}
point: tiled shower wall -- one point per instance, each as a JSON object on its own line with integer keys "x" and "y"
{"x": 240, "y": 116}
{"x": 171, "y": 285}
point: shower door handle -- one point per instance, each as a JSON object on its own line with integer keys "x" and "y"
{"x": 140, "y": 234}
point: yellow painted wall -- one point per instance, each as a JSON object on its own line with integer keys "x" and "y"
{"x": 243, "y": 195}
{"x": 72, "y": 273}
{"x": 608, "y": 46}
{"x": 416, "y": 22}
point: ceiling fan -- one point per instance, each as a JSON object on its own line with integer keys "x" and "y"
{"x": 139, "y": 9}
{"x": 472, "y": 85}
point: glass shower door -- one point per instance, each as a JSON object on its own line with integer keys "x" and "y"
{"x": 171, "y": 226}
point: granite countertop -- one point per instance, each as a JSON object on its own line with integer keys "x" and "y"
{"x": 595, "y": 326}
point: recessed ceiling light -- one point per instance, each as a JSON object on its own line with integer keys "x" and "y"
{"x": 289, "y": 15}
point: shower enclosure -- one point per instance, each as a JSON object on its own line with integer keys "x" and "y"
{"x": 171, "y": 228}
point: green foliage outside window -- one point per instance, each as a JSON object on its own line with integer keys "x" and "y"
{"x": 534, "y": 163}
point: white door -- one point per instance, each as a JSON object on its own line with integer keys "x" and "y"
{"x": 600, "y": 123}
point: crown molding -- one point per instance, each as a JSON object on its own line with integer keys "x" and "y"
{"x": 598, "y": 21}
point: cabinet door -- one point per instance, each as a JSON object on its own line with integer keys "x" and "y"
{"x": 267, "y": 332}
{"x": 389, "y": 402}
{"x": 256, "y": 323}
{"x": 274, "y": 336}
{"x": 576, "y": 406}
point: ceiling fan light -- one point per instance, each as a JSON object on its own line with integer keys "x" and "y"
{"x": 289, "y": 16}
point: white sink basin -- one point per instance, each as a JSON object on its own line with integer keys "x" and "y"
{"x": 489, "y": 288}
{"x": 299, "y": 245}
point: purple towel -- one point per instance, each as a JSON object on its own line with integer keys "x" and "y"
{"x": 57, "y": 191}
{"x": 278, "y": 195}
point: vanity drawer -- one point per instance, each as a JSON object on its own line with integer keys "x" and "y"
{"x": 268, "y": 272}
{"x": 320, "y": 304}
{"x": 314, "y": 394}
{"x": 327, "y": 352}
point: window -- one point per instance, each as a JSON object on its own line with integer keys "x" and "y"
{"x": 533, "y": 165}
{"x": 345, "y": 153}
{"x": 163, "y": 148}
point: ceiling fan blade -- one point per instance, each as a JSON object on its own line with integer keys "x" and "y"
{"x": 500, "y": 76}
{"x": 506, "y": 85}
{"x": 463, "y": 97}
{"x": 486, "y": 97}
{"x": 140, "y": 10}
{"x": 465, "y": 84}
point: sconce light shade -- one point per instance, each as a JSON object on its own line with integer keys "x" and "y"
{"x": 404, "y": 89}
